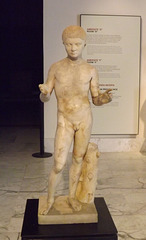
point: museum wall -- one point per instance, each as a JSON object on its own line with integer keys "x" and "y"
{"x": 59, "y": 14}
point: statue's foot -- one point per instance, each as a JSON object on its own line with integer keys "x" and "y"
{"x": 44, "y": 210}
{"x": 75, "y": 204}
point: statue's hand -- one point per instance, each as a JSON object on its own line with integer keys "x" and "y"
{"x": 44, "y": 95}
{"x": 43, "y": 88}
{"x": 106, "y": 97}
{"x": 102, "y": 98}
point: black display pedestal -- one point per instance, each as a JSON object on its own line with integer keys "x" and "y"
{"x": 103, "y": 230}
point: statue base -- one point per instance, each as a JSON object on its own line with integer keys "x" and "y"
{"x": 62, "y": 213}
{"x": 103, "y": 230}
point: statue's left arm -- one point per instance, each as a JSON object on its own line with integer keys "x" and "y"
{"x": 98, "y": 98}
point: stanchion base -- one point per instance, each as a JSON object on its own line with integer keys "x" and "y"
{"x": 42, "y": 155}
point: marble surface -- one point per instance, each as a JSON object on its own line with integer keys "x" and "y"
{"x": 121, "y": 181}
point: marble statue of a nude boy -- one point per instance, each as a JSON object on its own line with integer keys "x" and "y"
{"x": 71, "y": 79}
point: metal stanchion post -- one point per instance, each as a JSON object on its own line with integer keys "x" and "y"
{"x": 42, "y": 154}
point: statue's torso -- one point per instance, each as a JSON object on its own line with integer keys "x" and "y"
{"x": 72, "y": 82}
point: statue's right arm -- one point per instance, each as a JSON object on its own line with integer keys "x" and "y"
{"x": 47, "y": 88}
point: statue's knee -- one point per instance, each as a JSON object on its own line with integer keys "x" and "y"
{"x": 78, "y": 159}
{"x": 58, "y": 167}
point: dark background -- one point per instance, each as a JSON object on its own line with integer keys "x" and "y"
{"x": 21, "y": 60}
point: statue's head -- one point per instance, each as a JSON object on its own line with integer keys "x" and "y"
{"x": 74, "y": 40}
{"x": 73, "y": 32}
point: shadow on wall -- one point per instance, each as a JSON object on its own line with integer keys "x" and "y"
{"x": 143, "y": 117}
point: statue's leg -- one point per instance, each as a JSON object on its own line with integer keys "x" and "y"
{"x": 81, "y": 140}
{"x": 63, "y": 140}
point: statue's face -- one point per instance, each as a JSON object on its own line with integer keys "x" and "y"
{"x": 74, "y": 47}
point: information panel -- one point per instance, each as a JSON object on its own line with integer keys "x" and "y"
{"x": 113, "y": 47}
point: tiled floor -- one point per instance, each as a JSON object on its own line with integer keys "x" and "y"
{"x": 121, "y": 181}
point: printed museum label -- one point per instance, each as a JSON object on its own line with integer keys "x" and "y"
{"x": 113, "y": 47}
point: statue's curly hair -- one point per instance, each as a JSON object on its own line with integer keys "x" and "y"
{"x": 73, "y": 32}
